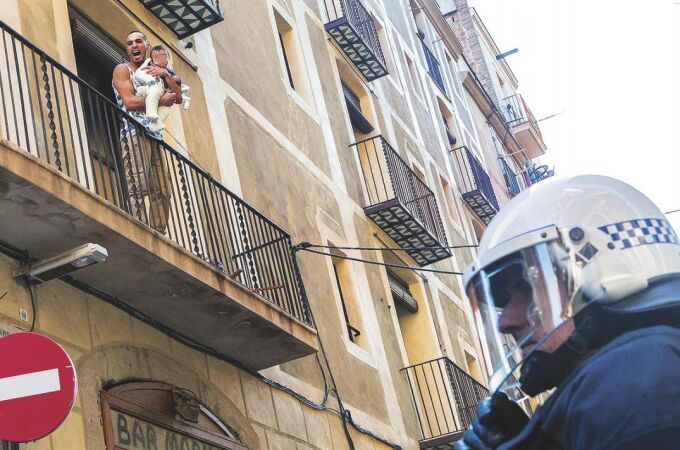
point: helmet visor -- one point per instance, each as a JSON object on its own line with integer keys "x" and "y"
{"x": 520, "y": 302}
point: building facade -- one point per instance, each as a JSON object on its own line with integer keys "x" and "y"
{"x": 258, "y": 290}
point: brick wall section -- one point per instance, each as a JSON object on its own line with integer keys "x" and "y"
{"x": 465, "y": 31}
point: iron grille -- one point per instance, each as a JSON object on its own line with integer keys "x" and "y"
{"x": 352, "y": 27}
{"x": 475, "y": 184}
{"x": 186, "y": 17}
{"x": 511, "y": 180}
{"x": 513, "y": 110}
{"x": 434, "y": 67}
{"x": 444, "y": 395}
{"x": 64, "y": 122}
{"x": 400, "y": 201}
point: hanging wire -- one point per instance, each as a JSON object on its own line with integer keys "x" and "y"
{"x": 365, "y": 261}
{"x": 334, "y": 247}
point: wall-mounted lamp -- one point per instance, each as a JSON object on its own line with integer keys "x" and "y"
{"x": 63, "y": 263}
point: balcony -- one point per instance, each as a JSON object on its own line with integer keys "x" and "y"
{"x": 400, "y": 203}
{"x": 183, "y": 250}
{"x": 353, "y": 28}
{"x": 186, "y": 17}
{"x": 511, "y": 179}
{"x": 433, "y": 67}
{"x": 538, "y": 173}
{"x": 445, "y": 399}
{"x": 524, "y": 126}
{"x": 475, "y": 184}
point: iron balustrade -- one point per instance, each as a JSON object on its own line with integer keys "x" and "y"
{"x": 62, "y": 121}
{"x": 353, "y": 27}
{"x": 517, "y": 112}
{"x": 511, "y": 180}
{"x": 387, "y": 176}
{"x": 538, "y": 173}
{"x": 513, "y": 110}
{"x": 444, "y": 395}
{"x": 433, "y": 67}
{"x": 472, "y": 175}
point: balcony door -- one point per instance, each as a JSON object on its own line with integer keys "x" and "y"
{"x": 96, "y": 56}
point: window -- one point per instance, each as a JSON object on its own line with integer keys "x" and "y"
{"x": 447, "y": 120}
{"x": 96, "y": 56}
{"x": 348, "y": 301}
{"x": 359, "y": 122}
{"x": 419, "y": 173}
{"x": 291, "y": 57}
{"x": 386, "y": 48}
{"x": 413, "y": 76}
{"x": 357, "y": 102}
{"x": 451, "y": 204}
{"x": 403, "y": 299}
{"x": 473, "y": 367}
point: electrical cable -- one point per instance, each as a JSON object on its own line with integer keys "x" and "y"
{"x": 334, "y": 247}
{"x": 394, "y": 266}
{"x": 673, "y": 211}
{"x": 35, "y": 310}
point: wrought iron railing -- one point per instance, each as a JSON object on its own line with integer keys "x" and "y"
{"x": 516, "y": 112}
{"x": 387, "y": 176}
{"x": 360, "y": 19}
{"x": 538, "y": 173}
{"x": 511, "y": 179}
{"x": 433, "y": 67}
{"x": 186, "y": 17}
{"x": 61, "y": 120}
{"x": 472, "y": 175}
{"x": 513, "y": 110}
{"x": 445, "y": 396}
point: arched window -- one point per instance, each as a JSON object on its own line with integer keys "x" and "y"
{"x": 157, "y": 416}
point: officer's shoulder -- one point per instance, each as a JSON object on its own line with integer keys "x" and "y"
{"x": 640, "y": 368}
{"x": 646, "y": 351}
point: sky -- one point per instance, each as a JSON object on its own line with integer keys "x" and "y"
{"x": 613, "y": 67}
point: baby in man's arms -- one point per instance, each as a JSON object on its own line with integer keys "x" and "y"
{"x": 152, "y": 88}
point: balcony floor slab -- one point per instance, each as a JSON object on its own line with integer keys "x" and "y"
{"x": 404, "y": 229}
{"x": 480, "y": 205}
{"x": 356, "y": 49}
{"x": 445, "y": 442}
{"x": 46, "y": 213}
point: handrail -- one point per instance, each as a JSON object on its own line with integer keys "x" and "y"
{"x": 388, "y": 176}
{"x": 444, "y": 395}
{"x": 472, "y": 176}
{"x": 65, "y": 122}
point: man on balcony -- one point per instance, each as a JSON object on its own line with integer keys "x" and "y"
{"x": 143, "y": 161}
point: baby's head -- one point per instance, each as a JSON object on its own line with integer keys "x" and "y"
{"x": 159, "y": 56}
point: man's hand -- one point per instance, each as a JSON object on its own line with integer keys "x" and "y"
{"x": 168, "y": 99}
{"x": 156, "y": 71}
{"x": 498, "y": 420}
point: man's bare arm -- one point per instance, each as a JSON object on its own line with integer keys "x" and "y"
{"x": 123, "y": 84}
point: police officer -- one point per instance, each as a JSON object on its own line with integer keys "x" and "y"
{"x": 578, "y": 280}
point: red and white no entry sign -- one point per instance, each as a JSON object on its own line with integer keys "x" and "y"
{"x": 37, "y": 386}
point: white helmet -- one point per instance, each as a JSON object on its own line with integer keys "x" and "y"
{"x": 559, "y": 246}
